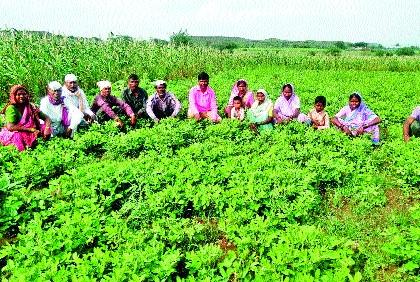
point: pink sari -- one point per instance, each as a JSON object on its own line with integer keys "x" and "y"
{"x": 21, "y": 139}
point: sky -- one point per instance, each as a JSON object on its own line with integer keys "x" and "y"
{"x": 388, "y": 22}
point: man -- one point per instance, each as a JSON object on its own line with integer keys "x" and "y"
{"x": 104, "y": 105}
{"x": 412, "y": 125}
{"x": 202, "y": 100}
{"x": 135, "y": 96}
{"x": 75, "y": 95}
{"x": 162, "y": 104}
{"x": 65, "y": 118}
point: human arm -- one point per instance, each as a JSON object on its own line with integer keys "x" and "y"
{"x": 406, "y": 128}
{"x": 149, "y": 109}
{"x": 340, "y": 126}
{"x": 12, "y": 118}
{"x": 192, "y": 106}
{"x": 177, "y": 106}
{"x": 87, "y": 110}
{"x": 213, "y": 101}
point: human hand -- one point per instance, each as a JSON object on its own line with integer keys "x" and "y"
{"x": 47, "y": 133}
{"x": 133, "y": 120}
{"x": 346, "y": 130}
{"x": 359, "y": 131}
{"x": 197, "y": 117}
{"x": 119, "y": 122}
{"x": 406, "y": 137}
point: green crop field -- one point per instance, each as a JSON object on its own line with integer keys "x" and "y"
{"x": 187, "y": 201}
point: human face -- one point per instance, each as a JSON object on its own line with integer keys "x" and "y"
{"x": 287, "y": 92}
{"x": 105, "y": 92}
{"x": 203, "y": 83}
{"x": 237, "y": 104}
{"x": 133, "y": 84}
{"x": 260, "y": 97}
{"x": 161, "y": 89}
{"x": 22, "y": 97}
{"x": 56, "y": 94}
{"x": 319, "y": 107}
{"x": 354, "y": 103}
{"x": 242, "y": 88}
{"x": 71, "y": 85}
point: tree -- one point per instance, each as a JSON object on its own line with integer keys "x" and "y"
{"x": 180, "y": 38}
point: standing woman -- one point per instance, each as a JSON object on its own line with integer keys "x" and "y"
{"x": 356, "y": 118}
{"x": 240, "y": 88}
{"x": 261, "y": 112}
{"x": 22, "y": 121}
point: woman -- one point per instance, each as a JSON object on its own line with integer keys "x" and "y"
{"x": 240, "y": 88}
{"x": 22, "y": 121}
{"x": 287, "y": 106}
{"x": 261, "y": 112}
{"x": 65, "y": 118}
{"x": 356, "y": 118}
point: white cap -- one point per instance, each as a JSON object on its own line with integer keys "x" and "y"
{"x": 54, "y": 85}
{"x": 70, "y": 78}
{"x": 159, "y": 82}
{"x": 103, "y": 84}
{"x": 261, "y": 90}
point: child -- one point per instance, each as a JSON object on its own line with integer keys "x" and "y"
{"x": 237, "y": 112}
{"x": 319, "y": 118}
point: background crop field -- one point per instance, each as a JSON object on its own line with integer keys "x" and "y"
{"x": 181, "y": 200}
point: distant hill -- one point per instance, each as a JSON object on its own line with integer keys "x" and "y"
{"x": 217, "y": 41}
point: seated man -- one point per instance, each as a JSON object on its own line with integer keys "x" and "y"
{"x": 135, "y": 96}
{"x": 412, "y": 125}
{"x": 162, "y": 104}
{"x": 75, "y": 95}
{"x": 104, "y": 105}
{"x": 65, "y": 118}
{"x": 202, "y": 100}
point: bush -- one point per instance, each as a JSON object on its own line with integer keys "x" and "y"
{"x": 180, "y": 38}
{"x": 405, "y": 51}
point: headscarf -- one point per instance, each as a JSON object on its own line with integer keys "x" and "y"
{"x": 103, "y": 84}
{"x": 70, "y": 77}
{"x": 55, "y": 85}
{"x": 235, "y": 86}
{"x": 292, "y": 88}
{"x": 13, "y": 92}
{"x": 159, "y": 82}
{"x": 247, "y": 98}
{"x": 79, "y": 94}
{"x": 361, "y": 113}
{"x": 257, "y": 108}
{"x": 12, "y": 95}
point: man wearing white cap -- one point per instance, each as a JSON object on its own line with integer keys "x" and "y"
{"x": 105, "y": 105}
{"x": 162, "y": 104}
{"x": 65, "y": 118}
{"x": 75, "y": 95}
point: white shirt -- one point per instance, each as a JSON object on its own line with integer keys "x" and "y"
{"x": 54, "y": 112}
{"x": 73, "y": 98}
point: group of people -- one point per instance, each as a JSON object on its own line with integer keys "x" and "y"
{"x": 65, "y": 108}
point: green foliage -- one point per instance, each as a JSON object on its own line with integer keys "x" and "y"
{"x": 334, "y": 51}
{"x": 180, "y": 38}
{"x": 405, "y": 51}
{"x": 181, "y": 200}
